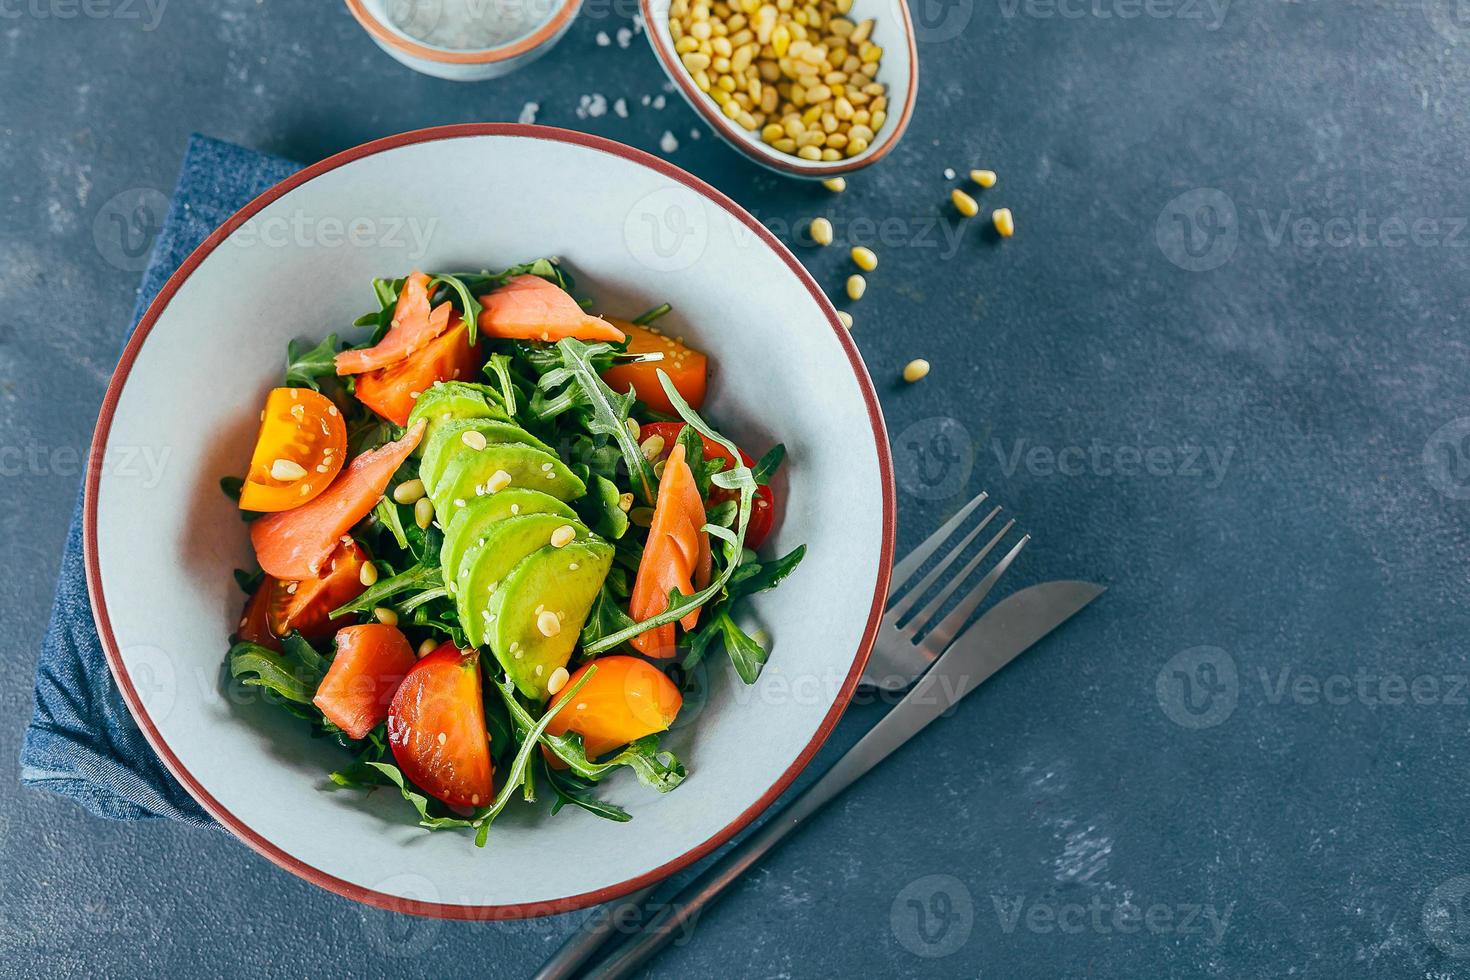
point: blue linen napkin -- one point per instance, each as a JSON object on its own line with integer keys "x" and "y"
{"x": 81, "y": 741}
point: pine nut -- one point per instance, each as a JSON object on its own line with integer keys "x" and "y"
{"x": 498, "y": 481}
{"x": 559, "y": 676}
{"x": 652, "y": 447}
{"x": 915, "y": 370}
{"x": 856, "y": 286}
{"x": 1004, "y": 223}
{"x": 475, "y": 440}
{"x": 369, "y": 574}
{"x": 835, "y": 184}
{"x": 964, "y": 203}
{"x": 287, "y": 471}
{"x": 866, "y": 258}
{"x": 410, "y": 492}
{"x": 423, "y": 512}
{"x": 625, "y": 502}
{"x": 985, "y": 178}
{"x": 634, "y": 429}
{"x": 385, "y": 616}
{"x": 427, "y": 647}
{"x": 846, "y": 318}
{"x": 562, "y": 536}
{"x": 821, "y": 231}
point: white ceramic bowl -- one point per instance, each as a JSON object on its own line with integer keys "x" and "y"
{"x": 464, "y": 65}
{"x": 899, "y": 71}
{"x": 297, "y": 262}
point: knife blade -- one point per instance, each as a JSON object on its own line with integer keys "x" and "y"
{"x": 1006, "y": 630}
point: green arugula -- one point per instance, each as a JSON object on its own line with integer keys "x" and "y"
{"x": 303, "y": 367}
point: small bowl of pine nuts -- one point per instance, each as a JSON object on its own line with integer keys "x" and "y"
{"x": 807, "y": 88}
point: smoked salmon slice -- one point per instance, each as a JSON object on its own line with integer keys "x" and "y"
{"x": 676, "y": 555}
{"x": 294, "y": 544}
{"x": 530, "y": 308}
{"x": 414, "y": 327}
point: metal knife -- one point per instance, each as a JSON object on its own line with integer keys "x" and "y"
{"x": 1006, "y": 630}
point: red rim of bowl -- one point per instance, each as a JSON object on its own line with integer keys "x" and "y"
{"x": 270, "y": 850}
{"x": 385, "y": 35}
{"x": 775, "y": 159}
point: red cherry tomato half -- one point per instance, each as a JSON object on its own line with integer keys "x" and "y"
{"x": 763, "y": 514}
{"x": 436, "y": 726}
{"x": 304, "y": 605}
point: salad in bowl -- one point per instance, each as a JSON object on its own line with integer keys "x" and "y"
{"x": 495, "y": 533}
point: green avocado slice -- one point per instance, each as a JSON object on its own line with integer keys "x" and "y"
{"x": 472, "y": 521}
{"x": 447, "y": 401}
{"x": 491, "y": 558}
{"x": 564, "y": 581}
{"x": 469, "y": 472}
{"x": 448, "y": 442}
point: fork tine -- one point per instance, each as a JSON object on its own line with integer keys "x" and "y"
{"x": 942, "y": 635}
{"x": 917, "y": 592}
{"x": 905, "y": 569}
{"x": 921, "y": 618}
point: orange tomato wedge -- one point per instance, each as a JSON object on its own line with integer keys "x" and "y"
{"x": 296, "y": 543}
{"x": 675, "y": 550}
{"x": 414, "y": 325}
{"x": 686, "y": 367}
{"x": 625, "y": 699}
{"x": 530, "y": 308}
{"x": 371, "y": 662}
{"x": 392, "y": 391}
{"x": 299, "y": 451}
{"x": 255, "y": 626}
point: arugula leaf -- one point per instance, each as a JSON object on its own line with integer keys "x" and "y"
{"x": 232, "y": 487}
{"x": 766, "y": 466}
{"x": 420, "y": 801}
{"x": 414, "y": 601}
{"x": 469, "y": 306}
{"x": 662, "y": 309}
{"x": 609, "y": 413}
{"x": 753, "y": 577}
{"x": 499, "y": 367}
{"x": 606, "y": 617}
{"x": 256, "y": 666}
{"x": 572, "y": 791}
{"x": 304, "y": 367}
{"x": 600, "y": 508}
{"x": 248, "y": 581}
{"x": 388, "y": 516}
{"x": 416, "y": 578}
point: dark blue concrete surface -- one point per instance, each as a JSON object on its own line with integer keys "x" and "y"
{"x": 1221, "y": 367}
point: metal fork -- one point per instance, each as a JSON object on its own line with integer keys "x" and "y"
{"x": 903, "y": 651}
{"x": 904, "y": 659}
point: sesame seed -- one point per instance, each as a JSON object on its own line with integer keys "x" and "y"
{"x": 515, "y": 509}
{"x": 545, "y": 466}
{"x": 540, "y": 670}
{"x": 572, "y": 567}
{"x": 443, "y": 738}
{"x": 581, "y": 705}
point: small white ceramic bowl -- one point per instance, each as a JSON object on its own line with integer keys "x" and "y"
{"x": 899, "y": 71}
{"x": 464, "y": 65}
{"x": 161, "y": 540}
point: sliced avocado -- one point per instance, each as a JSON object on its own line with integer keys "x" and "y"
{"x": 446, "y": 401}
{"x": 448, "y": 440}
{"x": 471, "y": 521}
{"x": 492, "y": 556}
{"x": 469, "y": 472}
{"x": 564, "y": 581}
